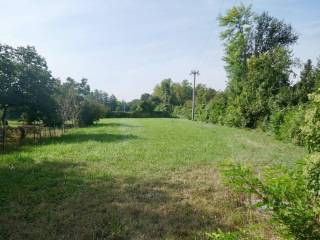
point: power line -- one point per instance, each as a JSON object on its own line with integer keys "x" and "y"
{"x": 195, "y": 73}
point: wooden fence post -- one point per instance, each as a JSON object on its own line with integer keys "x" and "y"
{"x": 4, "y": 122}
{"x": 34, "y": 132}
{"x": 40, "y": 131}
{"x": 3, "y": 136}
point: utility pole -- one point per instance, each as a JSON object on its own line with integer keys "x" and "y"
{"x": 195, "y": 73}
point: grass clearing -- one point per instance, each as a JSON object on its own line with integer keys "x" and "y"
{"x": 131, "y": 179}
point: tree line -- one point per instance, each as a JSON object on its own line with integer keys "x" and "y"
{"x": 261, "y": 91}
{"x": 30, "y": 93}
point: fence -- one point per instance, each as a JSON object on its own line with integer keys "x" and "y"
{"x": 13, "y": 137}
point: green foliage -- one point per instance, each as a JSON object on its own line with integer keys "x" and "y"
{"x": 91, "y": 112}
{"x": 27, "y": 85}
{"x": 312, "y": 174}
{"x": 216, "y": 108}
{"x": 291, "y": 196}
{"x": 307, "y": 83}
{"x": 286, "y": 124}
{"x": 234, "y": 116}
{"x": 164, "y": 92}
{"x": 183, "y": 111}
{"x": 271, "y": 33}
{"x": 242, "y": 234}
{"x": 311, "y": 127}
{"x": 258, "y": 61}
{"x": 237, "y": 23}
{"x": 219, "y": 235}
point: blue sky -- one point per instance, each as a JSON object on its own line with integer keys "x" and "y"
{"x": 125, "y": 47}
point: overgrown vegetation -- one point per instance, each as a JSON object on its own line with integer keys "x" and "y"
{"x": 291, "y": 195}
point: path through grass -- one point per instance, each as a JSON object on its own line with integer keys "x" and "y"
{"x": 130, "y": 179}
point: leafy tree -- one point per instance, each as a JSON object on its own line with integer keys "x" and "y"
{"x": 84, "y": 88}
{"x": 28, "y": 86}
{"x": 133, "y": 105}
{"x": 147, "y": 103}
{"x": 100, "y": 97}
{"x": 307, "y": 83}
{"x": 165, "y": 93}
{"x": 271, "y": 33}
{"x": 113, "y": 103}
{"x": 236, "y": 36}
{"x": 258, "y": 64}
{"x": 182, "y": 92}
{"x": 216, "y": 108}
{"x": 268, "y": 75}
{"x": 8, "y": 79}
{"x": 204, "y": 94}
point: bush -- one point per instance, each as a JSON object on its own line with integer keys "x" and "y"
{"x": 216, "y": 109}
{"x": 290, "y": 129}
{"x": 291, "y": 196}
{"x": 242, "y": 234}
{"x": 90, "y": 112}
{"x": 286, "y": 125}
{"x": 201, "y": 113}
{"x": 182, "y": 112}
{"x": 311, "y": 128}
{"x": 312, "y": 174}
{"x": 234, "y": 117}
{"x": 276, "y": 120}
{"x": 219, "y": 235}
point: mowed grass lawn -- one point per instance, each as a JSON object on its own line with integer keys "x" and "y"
{"x": 131, "y": 179}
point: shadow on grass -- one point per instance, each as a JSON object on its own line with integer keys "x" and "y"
{"x": 70, "y": 138}
{"x": 73, "y": 138}
{"x": 115, "y": 124}
{"x": 83, "y": 137}
{"x": 58, "y": 200}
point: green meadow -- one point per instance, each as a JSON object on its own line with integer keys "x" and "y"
{"x": 133, "y": 179}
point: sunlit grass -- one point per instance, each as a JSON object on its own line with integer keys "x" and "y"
{"x": 130, "y": 179}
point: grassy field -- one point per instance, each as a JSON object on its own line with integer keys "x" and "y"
{"x": 131, "y": 179}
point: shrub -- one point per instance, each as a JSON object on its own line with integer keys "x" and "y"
{"x": 201, "y": 113}
{"x": 290, "y": 129}
{"x": 312, "y": 174}
{"x": 216, "y": 109}
{"x": 276, "y": 120}
{"x": 182, "y": 112}
{"x": 242, "y": 234}
{"x": 90, "y": 112}
{"x": 311, "y": 128}
{"x": 286, "y": 125}
{"x": 234, "y": 117}
{"x": 219, "y": 235}
{"x": 291, "y": 196}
